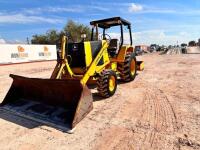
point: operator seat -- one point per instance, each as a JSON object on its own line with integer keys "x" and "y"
{"x": 113, "y": 47}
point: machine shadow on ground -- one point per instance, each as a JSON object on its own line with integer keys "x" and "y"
{"x": 10, "y": 117}
{"x": 31, "y": 124}
{"x": 28, "y": 123}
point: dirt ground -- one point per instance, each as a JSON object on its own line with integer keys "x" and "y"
{"x": 159, "y": 110}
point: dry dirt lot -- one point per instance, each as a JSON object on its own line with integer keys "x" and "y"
{"x": 159, "y": 110}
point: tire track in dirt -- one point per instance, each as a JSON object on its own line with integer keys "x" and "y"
{"x": 171, "y": 111}
{"x": 103, "y": 116}
{"x": 157, "y": 118}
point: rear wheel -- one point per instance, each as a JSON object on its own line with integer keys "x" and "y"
{"x": 128, "y": 68}
{"x": 107, "y": 83}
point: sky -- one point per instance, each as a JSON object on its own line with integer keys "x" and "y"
{"x": 161, "y": 22}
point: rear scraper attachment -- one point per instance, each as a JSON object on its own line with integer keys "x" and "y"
{"x": 140, "y": 65}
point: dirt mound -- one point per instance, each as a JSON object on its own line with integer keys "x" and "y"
{"x": 194, "y": 50}
{"x": 175, "y": 50}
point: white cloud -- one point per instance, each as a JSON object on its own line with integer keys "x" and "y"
{"x": 150, "y": 10}
{"x": 158, "y": 11}
{"x": 132, "y": 8}
{"x": 160, "y": 37}
{"x": 71, "y": 9}
{"x": 64, "y": 9}
{"x": 16, "y": 42}
{"x": 99, "y": 8}
{"x": 40, "y": 10}
{"x": 145, "y": 9}
{"x": 2, "y": 41}
{"x": 154, "y": 37}
{"x": 114, "y": 35}
{"x": 21, "y": 18}
{"x": 135, "y": 7}
{"x": 183, "y": 33}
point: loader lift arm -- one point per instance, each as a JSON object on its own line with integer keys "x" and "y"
{"x": 63, "y": 64}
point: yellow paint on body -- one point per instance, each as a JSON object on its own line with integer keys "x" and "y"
{"x": 88, "y": 53}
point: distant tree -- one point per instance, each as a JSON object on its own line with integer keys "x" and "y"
{"x": 170, "y": 46}
{"x": 192, "y": 43}
{"x": 51, "y": 37}
{"x": 72, "y": 29}
{"x": 199, "y": 42}
{"x": 75, "y": 30}
{"x": 183, "y": 45}
{"x": 39, "y": 39}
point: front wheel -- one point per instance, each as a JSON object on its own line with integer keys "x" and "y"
{"x": 107, "y": 83}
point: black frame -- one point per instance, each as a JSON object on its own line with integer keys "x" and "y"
{"x": 110, "y": 22}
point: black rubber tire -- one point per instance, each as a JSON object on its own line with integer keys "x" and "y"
{"x": 103, "y": 83}
{"x": 125, "y": 68}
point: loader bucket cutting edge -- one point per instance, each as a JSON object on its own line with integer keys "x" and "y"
{"x": 63, "y": 102}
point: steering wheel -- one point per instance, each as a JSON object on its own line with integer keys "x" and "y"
{"x": 107, "y": 37}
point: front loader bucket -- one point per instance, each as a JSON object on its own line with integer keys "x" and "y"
{"x": 58, "y": 102}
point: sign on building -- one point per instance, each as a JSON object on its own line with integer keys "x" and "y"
{"x": 14, "y": 53}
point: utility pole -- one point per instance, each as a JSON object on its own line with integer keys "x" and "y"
{"x": 27, "y": 40}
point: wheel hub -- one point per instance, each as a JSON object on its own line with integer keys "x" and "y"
{"x": 132, "y": 67}
{"x": 112, "y": 83}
